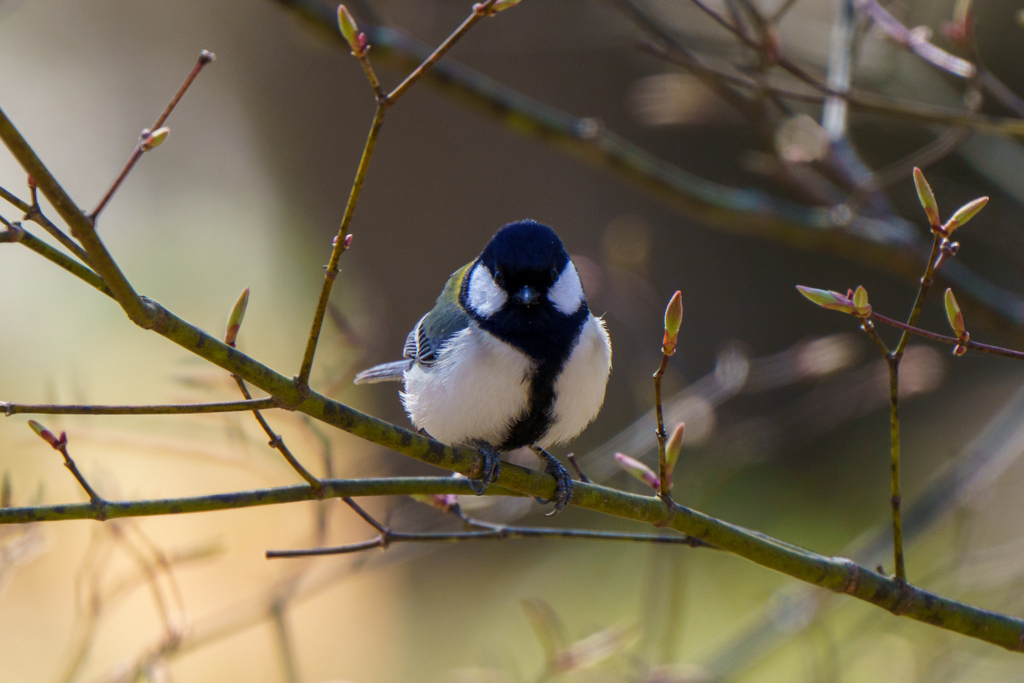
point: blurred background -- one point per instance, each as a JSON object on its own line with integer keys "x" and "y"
{"x": 733, "y": 199}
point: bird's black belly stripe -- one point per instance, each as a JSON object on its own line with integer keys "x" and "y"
{"x": 534, "y": 422}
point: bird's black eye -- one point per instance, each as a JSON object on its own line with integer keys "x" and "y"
{"x": 554, "y": 275}
{"x": 499, "y": 278}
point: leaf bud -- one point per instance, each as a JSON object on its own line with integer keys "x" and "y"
{"x": 236, "y": 317}
{"x": 355, "y": 39}
{"x": 150, "y": 139}
{"x": 45, "y": 434}
{"x": 638, "y": 470}
{"x": 965, "y": 213}
{"x": 828, "y": 299}
{"x": 927, "y": 197}
{"x": 672, "y": 449}
{"x": 953, "y": 314}
{"x": 860, "y": 302}
{"x": 673, "y": 321}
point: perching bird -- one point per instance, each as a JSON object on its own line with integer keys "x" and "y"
{"x": 510, "y": 355}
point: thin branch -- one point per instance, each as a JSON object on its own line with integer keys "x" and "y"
{"x": 480, "y": 11}
{"x": 167, "y": 409}
{"x": 341, "y": 243}
{"x": 142, "y": 147}
{"x": 343, "y": 239}
{"x": 60, "y": 444}
{"x": 497, "y": 533}
{"x": 660, "y": 434}
{"x": 971, "y": 345}
{"x": 926, "y": 282}
{"x": 277, "y": 443}
{"x": 33, "y": 213}
{"x": 17, "y": 233}
{"x": 858, "y": 99}
{"x": 915, "y": 41}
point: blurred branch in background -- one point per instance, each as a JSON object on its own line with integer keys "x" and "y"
{"x": 883, "y": 241}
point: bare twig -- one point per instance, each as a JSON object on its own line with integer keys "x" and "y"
{"x": 493, "y": 533}
{"x": 142, "y": 147}
{"x": 926, "y": 334}
{"x": 60, "y": 444}
{"x": 168, "y": 409}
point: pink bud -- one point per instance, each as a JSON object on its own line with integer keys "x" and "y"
{"x": 638, "y": 470}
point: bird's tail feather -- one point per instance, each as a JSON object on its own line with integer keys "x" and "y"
{"x": 388, "y": 372}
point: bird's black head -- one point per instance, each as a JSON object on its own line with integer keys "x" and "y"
{"x": 524, "y": 289}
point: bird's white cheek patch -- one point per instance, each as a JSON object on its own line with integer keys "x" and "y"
{"x": 485, "y": 296}
{"x": 567, "y": 293}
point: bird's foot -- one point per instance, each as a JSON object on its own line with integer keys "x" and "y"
{"x": 563, "y": 482}
{"x": 490, "y": 470}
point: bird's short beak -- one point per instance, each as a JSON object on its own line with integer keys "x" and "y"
{"x": 527, "y": 296}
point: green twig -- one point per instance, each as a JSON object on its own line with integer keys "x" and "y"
{"x": 660, "y": 433}
{"x": 17, "y": 233}
{"x": 167, "y": 409}
{"x": 342, "y": 240}
{"x": 341, "y": 243}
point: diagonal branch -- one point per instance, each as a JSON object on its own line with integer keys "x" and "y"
{"x": 81, "y": 227}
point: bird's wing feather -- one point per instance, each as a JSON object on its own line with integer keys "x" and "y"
{"x": 428, "y": 336}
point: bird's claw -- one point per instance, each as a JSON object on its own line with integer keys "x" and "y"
{"x": 490, "y": 470}
{"x": 563, "y": 481}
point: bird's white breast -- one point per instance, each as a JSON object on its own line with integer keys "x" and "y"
{"x": 474, "y": 391}
{"x": 579, "y": 390}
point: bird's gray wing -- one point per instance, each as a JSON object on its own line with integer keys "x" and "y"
{"x": 424, "y": 343}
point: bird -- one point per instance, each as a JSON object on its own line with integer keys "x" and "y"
{"x": 509, "y": 357}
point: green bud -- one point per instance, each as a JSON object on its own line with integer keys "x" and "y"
{"x": 673, "y": 321}
{"x": 236, "y": 317}
{"x": 860, "y": 302}
{"x": 638, "y": 470}
{"x": 503, "y": 5}
{"x": 355, "y": 39}
{"x": 155, "y": 138}
{"x": 966, "y": 213}
{"x": 927, "y": 197}
{"x": 828, "y": 299}
{"x": 953, "y": 314}
{"x": 673, "y": 448}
